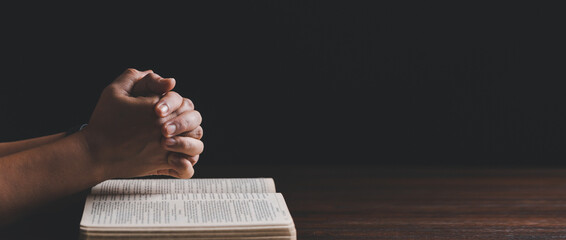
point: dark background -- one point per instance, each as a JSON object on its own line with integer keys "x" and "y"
{"x": 307, "y": 82}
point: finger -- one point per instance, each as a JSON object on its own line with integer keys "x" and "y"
{"x": 167, "y": 172}
{"x": 173, "y": 173}
{"x": 193, "y": 159}
{"x": 185, "y": 145}
{"x": 168, "y": 104}
{"x": 152, "y": 84}
{"x": 145, "y": 72}
{"x": 196, "y": 133}
{"x": 180, "y": 165}
{"x": 162, "y": 172}
{"x": 187, "y": 105}
{"x": 185, "y": 122}
{"x": 127, "y": 79}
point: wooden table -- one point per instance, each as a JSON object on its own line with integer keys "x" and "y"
{"x": 378, "y": 202}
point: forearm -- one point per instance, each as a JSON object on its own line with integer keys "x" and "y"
{"x": 39, "y": 175}
{"x": 18, "y": 146}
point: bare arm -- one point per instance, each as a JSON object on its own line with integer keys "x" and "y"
{"x": 42, "y": 174}
{"x": 18, "y": 146}
{"x": 123, "y": 139}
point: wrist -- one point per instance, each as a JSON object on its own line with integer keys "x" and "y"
{"x": 92, "y": 155}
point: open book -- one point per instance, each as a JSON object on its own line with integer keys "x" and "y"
{"x": 213, "y": 208}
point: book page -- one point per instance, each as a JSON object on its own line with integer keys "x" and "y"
{"x": 187, "y": 210}
{"x": 197, "y": 185}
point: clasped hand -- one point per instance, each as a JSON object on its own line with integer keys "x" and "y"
{"x": 140, "y": 127}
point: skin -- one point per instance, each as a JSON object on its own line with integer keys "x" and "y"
{"x": 18, "y": 146}
{"x": 127, "y": 136}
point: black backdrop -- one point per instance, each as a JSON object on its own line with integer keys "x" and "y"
{"x": 307, "y": 82}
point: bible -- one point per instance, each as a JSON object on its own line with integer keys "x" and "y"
{"x": 205, "y": 208}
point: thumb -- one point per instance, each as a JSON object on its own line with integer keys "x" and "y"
{"x": 152, "y": 84}
{"x": 128, "y": 78}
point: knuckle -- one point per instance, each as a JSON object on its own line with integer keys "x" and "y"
{"x": 184, "y": 143}
{"x": 110, "y": 91}
{"x": 175, "y": 97}
{"x": 194, "y": 159}
{"x": 190, "y": 121}
{"x": 153, "y": 75}
{"x": 187, "y": 103}
{"x": 175, "y": 94}
{"x": 197, "y": 147}
{"x": 185, "y": 163}
{"x": 197, "y": 117}
{"x": 183, "y": 124}
{"x": 187, "y": 121}
{"x": 201, "y": 147}
{"x": 187, "y": 170}
{"x": 109, "y": 88}
{"x": 190, "y": 172}
{"x": 198, "y": 133}
{"x": 166, "y": 98}
{"x": 130, "y": 71}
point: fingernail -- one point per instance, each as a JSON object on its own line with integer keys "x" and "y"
{"x": 170, "y": 141}
{"x": 171, "y": 128}
{"x": 163, "y": 108}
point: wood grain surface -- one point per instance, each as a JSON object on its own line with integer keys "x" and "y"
{"x": 381, "y": 202}
{"x": 373, "y": 202}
